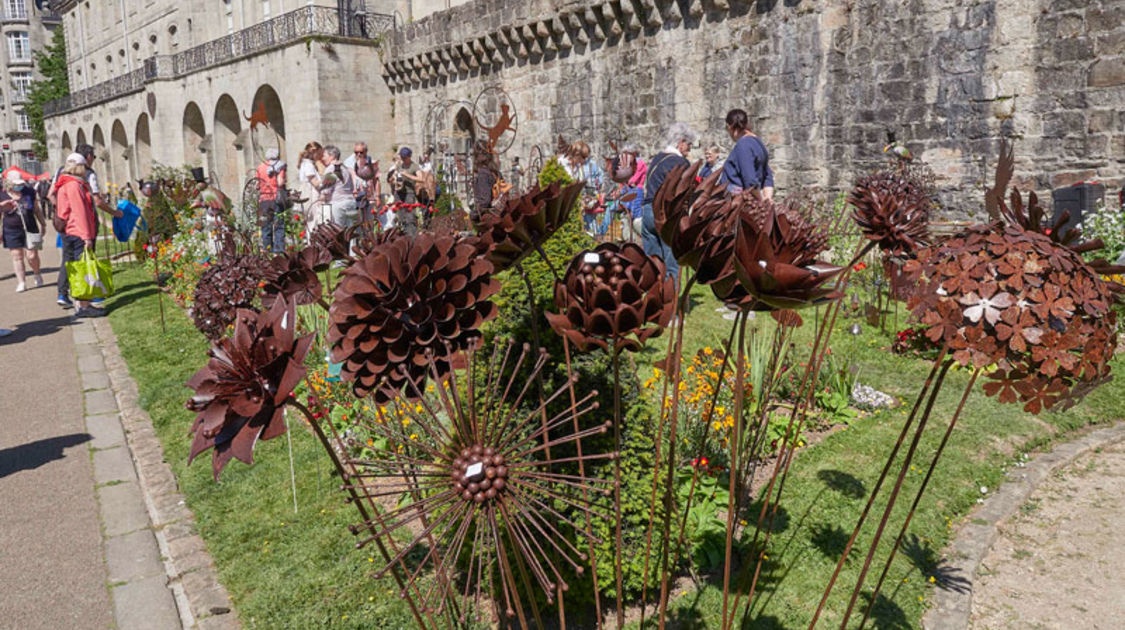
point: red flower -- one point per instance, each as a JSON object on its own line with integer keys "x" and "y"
{"x": 859, "y": 266}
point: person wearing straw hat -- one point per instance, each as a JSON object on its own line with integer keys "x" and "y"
{"x": 23, "y": 228}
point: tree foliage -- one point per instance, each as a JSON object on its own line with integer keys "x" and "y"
{"x": 52, "y": 83}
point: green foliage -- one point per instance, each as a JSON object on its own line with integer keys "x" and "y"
{"x": 834, "y": 391}
{"x": 446, "y": 204}
{"x": 52, "y": 84}
{"x": 1108, "y": 225}
{"x": 705, "y": 529}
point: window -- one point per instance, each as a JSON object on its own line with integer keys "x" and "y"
{"x": 265, "y": 9}
{"x": 19, "y": 48}
{"x": 22, "y": 122}
{"x": 21, "y": 84}
{"x": 15, "y": 9}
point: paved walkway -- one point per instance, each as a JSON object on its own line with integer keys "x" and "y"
{"x": 1057, "y": 561}
{"x": 77, "y": 549}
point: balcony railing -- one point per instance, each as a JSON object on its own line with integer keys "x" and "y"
{"x": 282, "y": 30}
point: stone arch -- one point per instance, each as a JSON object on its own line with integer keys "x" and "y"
{"x": 194, "y": 133}
{"x": 266, "y": 97}
{"x": 97, "y": 139}
{"x": 66, "y": 146}
{"x": 464, "y": 131}
{"x": 228, "y": 144}
{"x": 80, "y": 137}
{"x": 142, "y": 148}
{"x": 120, "y": 155}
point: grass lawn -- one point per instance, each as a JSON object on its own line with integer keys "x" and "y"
{"x": 287, "y": 570}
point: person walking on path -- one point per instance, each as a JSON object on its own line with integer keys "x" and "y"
{"x": 271, "y": 203}
{"x": 337, "y": 188}
{"x": 678, "y": 140}
{"x": 748, "y": 165}
{"x": 76, "y": 210}
{"x": 23, "y": 228}
{"x": 308, "y": 186}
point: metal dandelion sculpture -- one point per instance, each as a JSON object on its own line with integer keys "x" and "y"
{"x": 240, "y": 394}
{"x": 613, "y": 296}
{"x": 226, "y": 287}
{"x": 408, "y": 299}
{"x": 492, "y": 517}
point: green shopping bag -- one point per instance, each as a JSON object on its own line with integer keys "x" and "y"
{"x": 89, "y": 277}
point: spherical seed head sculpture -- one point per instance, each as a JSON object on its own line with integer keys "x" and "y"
{"x": 615, "y": 296}
{"x": 408, "y": 298}
{"x": 892, "y": 209}
{"x": 499, "y": 517}
{"x": 226, "y": 287}
{"x": 240, "y": 394}
{"x": 1015, "y": 299}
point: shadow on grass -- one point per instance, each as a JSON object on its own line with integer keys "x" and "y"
{"x": 132, "y": 294}
{"x": 829, "y": 540}
{"x": 925, "y": 559}
{"x": 843, "y": 483}
{"x": 885, "y": 615}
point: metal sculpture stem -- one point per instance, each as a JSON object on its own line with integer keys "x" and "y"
{"x": 536, "y": 340}
{"x": 344, "y": 474}
{"x": 585, "y": 493}
{"x": 934, "y": 373}
{"x": 673, "y": 371}
{"x": 617, "y": 485}
{"x": 874, "y": 547}
{"x": 918, "y": 496}
{"x": 734, "y": 489}
{"x": 676, "y": 353}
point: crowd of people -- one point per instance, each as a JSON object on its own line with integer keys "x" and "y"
{"x": 346, "y": 190}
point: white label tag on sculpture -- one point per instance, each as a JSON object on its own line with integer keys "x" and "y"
{"x": 474, "y": 471}
{"x": 591, "y": 258}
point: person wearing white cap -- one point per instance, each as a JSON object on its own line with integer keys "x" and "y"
{"x": 271, "y": 201}
{"x": 22, "y": 228}
{"x": 76, "y": 210}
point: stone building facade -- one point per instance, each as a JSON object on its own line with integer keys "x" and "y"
{"x": 823, "y": 81}
{"x": 178, "y": 82}
{"x": 28, "y": 27}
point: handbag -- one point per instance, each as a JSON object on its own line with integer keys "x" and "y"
{"x": 90, "y": 278}
{"x": 34, "y": 239}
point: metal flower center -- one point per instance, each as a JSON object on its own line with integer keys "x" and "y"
{"x": 479, "y": 474}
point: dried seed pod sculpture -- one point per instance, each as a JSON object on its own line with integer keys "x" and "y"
{"x": 407, "y": 298}
{"x": 521, "y": 225}
{"x": 240, "y": 394}
{"x": 893, "y": 210}
{"x": 613, "y": 296}
{"x": 226, "y": 287}
{"x": 1012, "y": 301}
{"x": 292, "y": 276}
{"x": 489, "y": 506}
{"x": 331, "y": 238}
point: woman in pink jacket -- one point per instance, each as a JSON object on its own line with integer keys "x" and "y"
{"x": 76, "y": 207}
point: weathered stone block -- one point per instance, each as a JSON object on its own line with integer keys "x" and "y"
{"x": 1107, "y": 72}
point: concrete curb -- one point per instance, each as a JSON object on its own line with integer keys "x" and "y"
{"x": 952, "y": 609}
{"x": 151, "y": 542}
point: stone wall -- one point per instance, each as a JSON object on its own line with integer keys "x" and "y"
{"x": 823, "y": 81}
{"x": 317, "y": 87}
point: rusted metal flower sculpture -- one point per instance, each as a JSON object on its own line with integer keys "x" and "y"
{"x": 613, "y": 296}
{"x": 893, "y": 210}
{"x": 226, "y": 287}
{"x": 408, "y": 298}
{"x": 240, "y": 394}
{"x": 522, "y": 224}
{"x": 489, "y": 505}
{"x": 293, "y": 276}
{"x": 775, "y": 256}
{"x": 1015, "y": 298}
